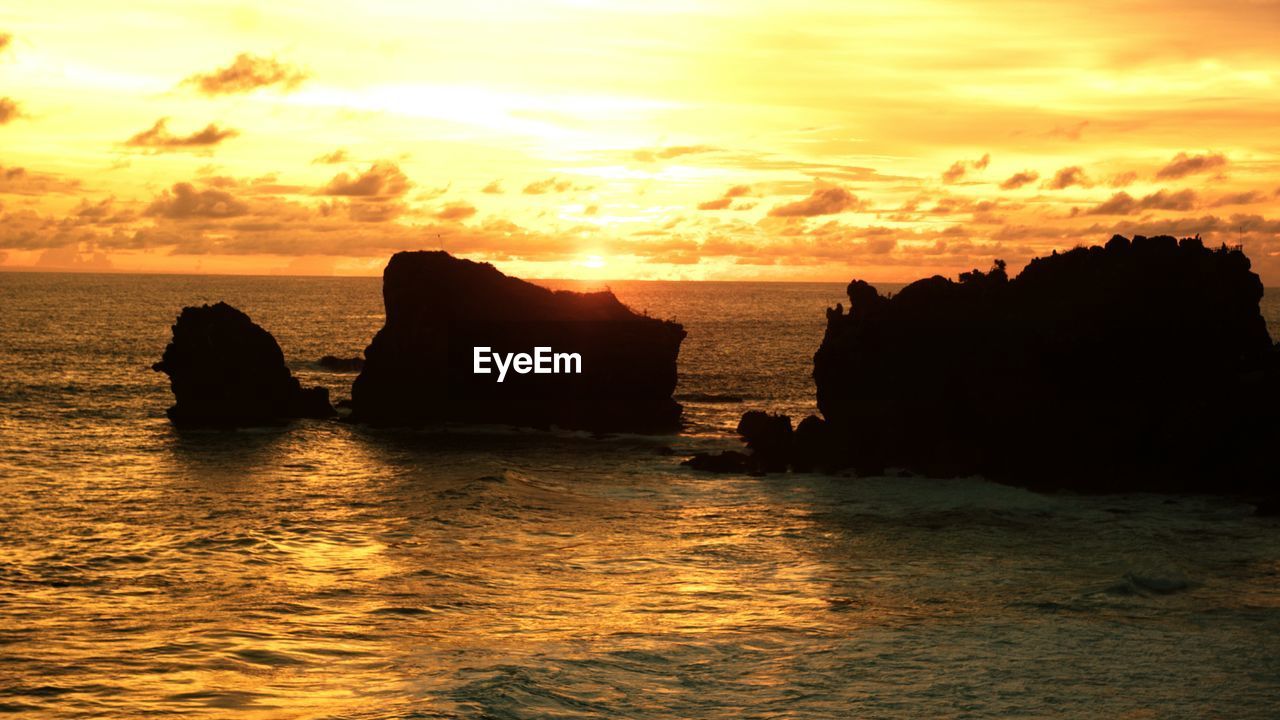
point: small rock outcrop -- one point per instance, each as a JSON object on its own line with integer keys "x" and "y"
{"x": 226, "y": 371}
{"x": 727, "y": 462}
{"x": 769, "y": 438}
{"x": 337, "y": 364}
{"x": 420, "y": 366}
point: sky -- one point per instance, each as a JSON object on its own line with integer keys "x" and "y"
{"x": 699, "y": 139}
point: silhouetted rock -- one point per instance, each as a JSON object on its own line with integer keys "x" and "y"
{"x": 769, "y": 439}
{"x": 1144, "y": 364}
{"x": 227, "y": 371}
{"x": 419, "y": 367}
{"x": 729, "y": 461}
{"x": 814, "y": 447}
{"x": 1268, "y": 508}
{"x": 342, "y": 365}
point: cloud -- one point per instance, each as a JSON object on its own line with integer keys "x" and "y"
{"x": 5, "y": 40}
{"x": 102, "y": 213}
{"x": 19, "y": 181}
{"x": 383, "y": 179}
{"x": 9, "y": 110}
{"x": 159, "y": 139}
{"x": 337, "y": 156}
{"x": 375, "y": 211}
{"x": 1214, "y": 228}
{"x": 455, "y": 211}
{"x": 428, "y": 194}
{"x": 1072, "y": 132}
{"x": 25, "y": 230}
{"x": 1122, "y": 203}
{"x": 954, "y": 173}
{"x": 960, "y": 167}
{"x": 1124, "y": 179}
{"x": 1183, "y": 164}
{"x": 551, "y": 184}
{"x": 1240, "y": 198}
{"x": 673, "y": 151}
{"x": 493, "y": 188}
{"x": 69, "y": 257}
{"x": 1017, "y": 180}
{"x": 823, "y": 201}
{"x": 268, "y": 184}
{"x": 185, "y": 201}
{"x": 1067, "y": 177}
{"x": 375, "y": 194}
{"x": 248, "y": 73}
{"x": 724, "y": 201}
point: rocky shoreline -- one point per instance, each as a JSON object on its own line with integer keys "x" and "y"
{"x": 1141, "y": 364}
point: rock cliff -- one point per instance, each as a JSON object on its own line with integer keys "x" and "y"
{"x": 227, "y": 371}
{"x": 1140, "y": 364}
{"x": 419, "y": 367}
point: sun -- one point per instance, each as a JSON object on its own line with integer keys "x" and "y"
{"x": 594, "y": 262}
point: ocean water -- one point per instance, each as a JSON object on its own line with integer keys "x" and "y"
{"x": 323, "y": 570}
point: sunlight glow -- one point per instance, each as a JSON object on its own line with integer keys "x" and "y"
{"x": 714, "y": 140}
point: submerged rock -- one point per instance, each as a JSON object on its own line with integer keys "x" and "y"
{"x": 728, "y": 461}
{"x": 225, "y": 370}
{"x": 420, "y": 367}
{"x": 342, "y": 365}
{"x": 1144, "y": 364}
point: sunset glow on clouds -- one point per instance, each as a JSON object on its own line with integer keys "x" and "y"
{"x": 712, "y": 139}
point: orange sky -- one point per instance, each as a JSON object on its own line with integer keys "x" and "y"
{"x": 706, "y": 139}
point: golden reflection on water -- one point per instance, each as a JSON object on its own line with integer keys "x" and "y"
{"x": 323, "y": 570}
{"x": 331, "y": 571}
{"x": 281, "y": 578}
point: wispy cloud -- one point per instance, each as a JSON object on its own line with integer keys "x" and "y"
{"x": 823, "y": 201}
{"x": 1017, "y": 180}
{"x": 9, "y": 110}
{"x": 248, "y": 73}
{"x": 960, "y": 168}
{"x": 158, "y": 138}
{"x": 1068, "y": 177}
{"x": 1183, "y": 165}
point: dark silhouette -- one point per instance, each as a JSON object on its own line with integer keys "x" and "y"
{"x": 341, "y": 365}
{"x": 729, "y": 461}
{"x": 227, "y": 371}
{"x": 1134, "y": 365}
{"x": 419, "y": 367}
{"x": 769, "y": 438}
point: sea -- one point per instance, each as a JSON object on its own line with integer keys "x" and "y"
{"x": 327, "y": 570}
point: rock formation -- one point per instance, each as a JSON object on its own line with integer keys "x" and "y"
{"x": 334, "y": 363}
{"x": 768, "y": 437}
{"x": 227, "y": 371}
{"x": 1140, "y": 364}
{"x": 419, "y": 367}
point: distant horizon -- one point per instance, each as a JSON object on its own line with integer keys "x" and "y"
{"x": 535, "y": 279}
{"x": 159, "y": 273}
